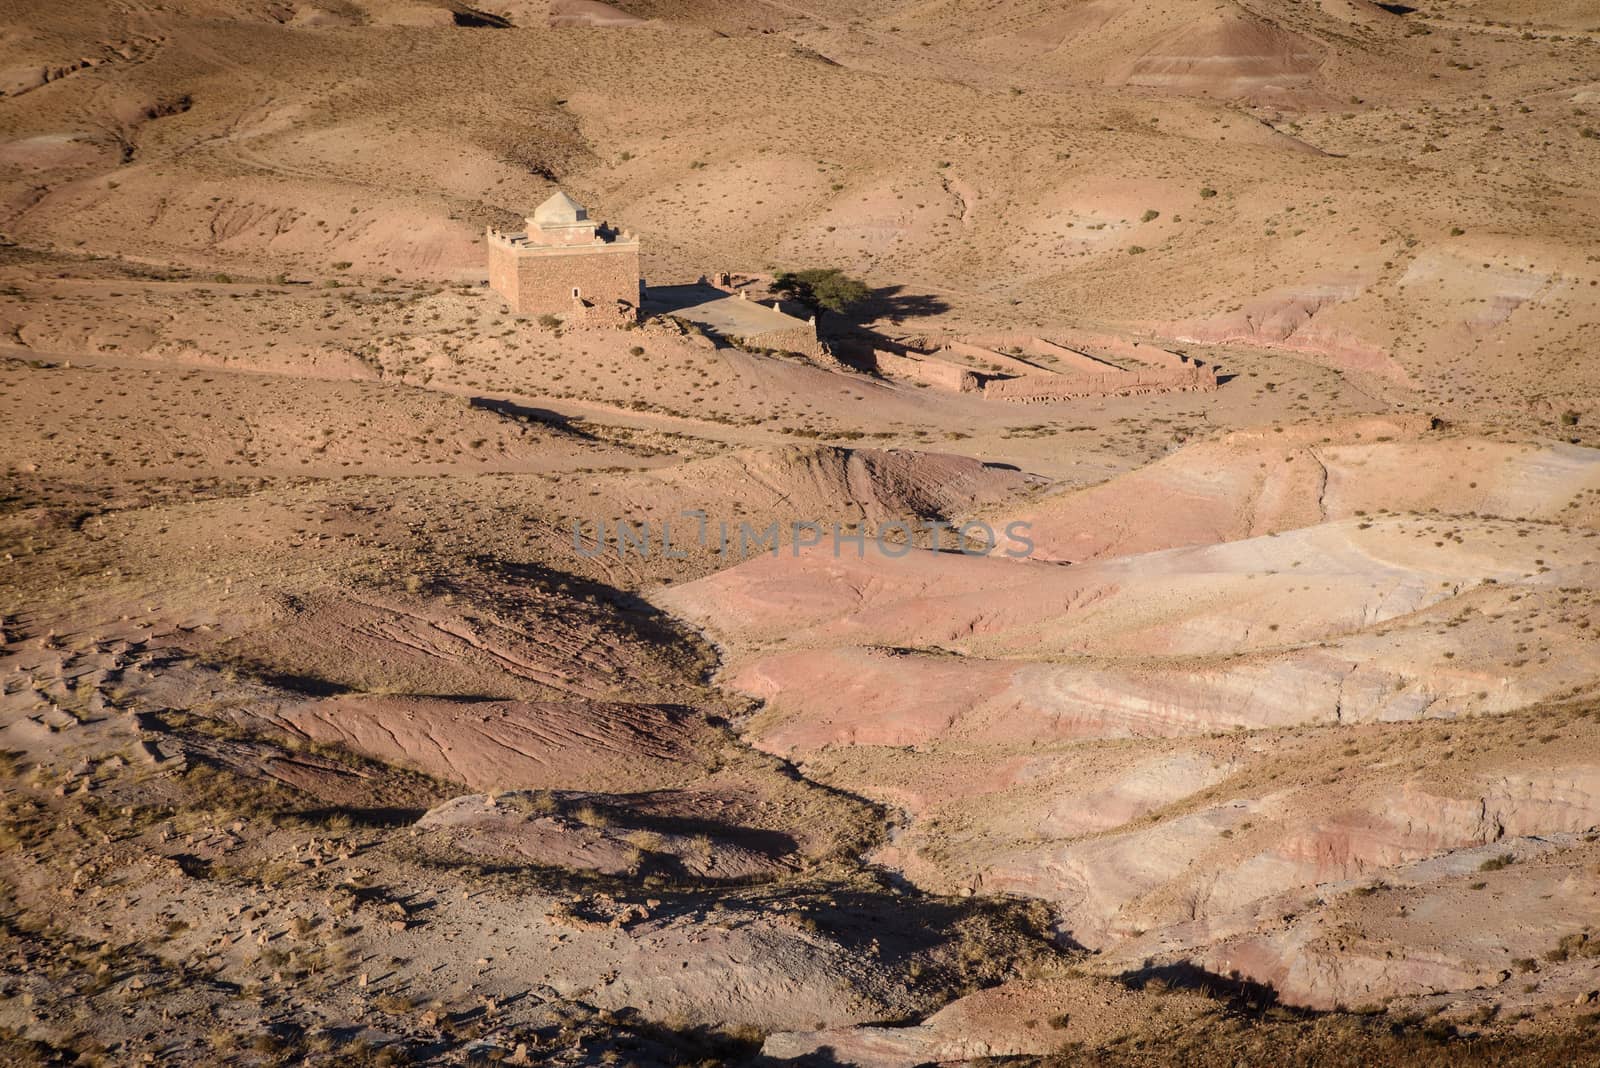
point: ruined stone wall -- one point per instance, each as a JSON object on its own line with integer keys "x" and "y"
{"x": 1041, "y": 388}
{"x": 1078, "y": 349}
{"x": 1077, "y": 361}
{"x": 1133, "y": 350}
{"x": 995, "y": 359}
{"x": 1038, "y": 346}
{"x": 935, "y": 373}
{"x": 1112, "y": 345}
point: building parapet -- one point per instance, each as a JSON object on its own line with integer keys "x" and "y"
{"x": 522, "y": 245}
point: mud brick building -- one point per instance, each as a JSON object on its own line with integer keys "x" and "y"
{"x": 565, "y": 264}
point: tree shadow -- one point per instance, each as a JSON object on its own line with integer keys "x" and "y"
{"x": 853, "y": 341}
{"x": 892, "y": 303}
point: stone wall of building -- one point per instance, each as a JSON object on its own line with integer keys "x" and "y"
{"x": 541, "y": 280}
{"x": 801, "y": 338}
{"x": 503, "y": 271}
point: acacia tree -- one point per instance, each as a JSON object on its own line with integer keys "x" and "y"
{"x": 822, "y": 287}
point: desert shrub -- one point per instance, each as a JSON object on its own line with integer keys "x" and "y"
{"x": 533, "y": 802}
{"x": 394, "y": 1004}
{"x": 1573, "y": 946}
{"x": 590, "y": 816}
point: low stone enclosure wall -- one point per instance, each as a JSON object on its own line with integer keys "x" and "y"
{"x": 936, "y": 373}
{"x": 998, "y": 360}
{"x": 1039, "y": 388}
{"x": 1085, "y": 351}
{"x": 1062, "y": 373}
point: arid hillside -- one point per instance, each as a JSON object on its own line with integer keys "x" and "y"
{"x": 388, "y": 677}
{"x": 1398, "y": 195}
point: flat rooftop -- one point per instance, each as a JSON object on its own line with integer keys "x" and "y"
{"x": 715, "y": 310}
